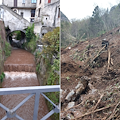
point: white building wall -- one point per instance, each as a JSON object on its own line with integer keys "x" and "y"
{"x": 1, "y": 14}
{"x": 48, "y": 14}
{"x": 14, "y": 22}
{"x": 0, "y": 2}
{"x": 26, "y": 13}
{"x": 8, "y": 2}
{"x": 20, "y": 3}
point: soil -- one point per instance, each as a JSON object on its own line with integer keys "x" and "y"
{"x": 100, "y": 101}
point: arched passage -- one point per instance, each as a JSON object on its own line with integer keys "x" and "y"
{"x": 16, "y": 38}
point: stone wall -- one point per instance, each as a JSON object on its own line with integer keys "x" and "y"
{"x": 41, "y": 74}
{"x": 2, "y": 45}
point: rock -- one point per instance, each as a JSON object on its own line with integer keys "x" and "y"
{"x": 62, "y": 92}
{"x": 69, "y": 117}
{"x": 80, "y": 89}
{"x": 70, "y": 104}
{"x": 84, "y": 80}
{"x": 77, "y": 113}
{"x": 69, "y": 96}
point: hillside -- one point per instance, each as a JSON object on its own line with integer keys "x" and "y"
{"x": 63, "y": 17}
{"x": 66, "y": 36}
{"x": 101, "y": 21}
{"x": 90, "y": 79}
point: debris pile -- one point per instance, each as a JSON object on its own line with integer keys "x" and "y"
{"x": 90, "y": 79}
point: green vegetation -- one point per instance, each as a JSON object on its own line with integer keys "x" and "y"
{"x": 30, "y": 33}
{"x": 50, "y": 49}
{"x": 7, "y": 49}
{"x": 67, "y": 78}
{"x": 101, "y": 21}
{"x": 18, "y": 35}
{"x": 2, "y": 76}
{"x": 31, "y": 39}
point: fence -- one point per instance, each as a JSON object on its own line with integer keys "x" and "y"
{"x": 34, "y": 90}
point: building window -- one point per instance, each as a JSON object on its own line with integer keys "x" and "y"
{"x": 23, "y": 1}
{"x": 40, "y": 1}
{"x": 39, "y": 13}
{"x": 21, "y": 14}
{"x": 33, "y": 1}
{"x": 32, "y": 15}
{"x": 49, "y": 1}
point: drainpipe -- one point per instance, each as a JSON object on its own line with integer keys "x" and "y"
{"x": 55, "y": 16}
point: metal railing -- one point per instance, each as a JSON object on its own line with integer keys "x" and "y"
{"x": 34, "y": 90}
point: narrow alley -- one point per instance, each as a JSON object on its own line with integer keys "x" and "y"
{"x": 20, "y": 72}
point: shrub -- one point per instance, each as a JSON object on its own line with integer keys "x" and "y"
{"x": 7, "y": 49}
{"x": 30, "y": 33}
{"x": 50, "y": 49}
{"x": 31, "y": 39}
{"x": 2, "y": 76}
{"x": 31, "y": 45}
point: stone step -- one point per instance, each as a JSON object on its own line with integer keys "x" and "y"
{"x": 19, "y": 68}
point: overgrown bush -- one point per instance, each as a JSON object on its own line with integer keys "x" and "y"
{"x": 50, "y": 49}
{"x": 2, "y": 76}
{"x": 30, "y": 33}
{"x": 18, "y": 35}
{"x": 31, "y": 39}
{"x": 7, "y": 49}
{"x": 31, "y": 45}
{"x": 51, "y": 42}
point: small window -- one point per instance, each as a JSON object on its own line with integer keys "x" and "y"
{"x": 33, "y": 13}
{"x": 40, "y": 1}
{"x": 23, "y": 1}
{"x": 21, "y": 14}
{"x": 39, "y": 13}
{"x": 33, "y": 1}
{"x": 15, "y": 11}
{"x": 49, "y": 1}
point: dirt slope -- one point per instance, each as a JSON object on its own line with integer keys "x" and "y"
{"x": 100, "y": 99}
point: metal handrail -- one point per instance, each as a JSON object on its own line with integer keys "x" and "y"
{"x": 34, "y": 90}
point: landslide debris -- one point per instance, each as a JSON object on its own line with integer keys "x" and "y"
{"x": 90, "y": 79}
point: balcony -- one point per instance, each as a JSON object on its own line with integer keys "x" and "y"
{"x": 35, "y": 90}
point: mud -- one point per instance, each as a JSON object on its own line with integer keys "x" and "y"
{"x": 25, "y": 78}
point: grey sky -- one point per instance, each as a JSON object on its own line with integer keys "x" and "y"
{"x": 82, "y": 8}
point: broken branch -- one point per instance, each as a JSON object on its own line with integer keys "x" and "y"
{"x": 95, "y": 111}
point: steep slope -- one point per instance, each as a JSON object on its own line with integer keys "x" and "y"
{"x": 90, "y": 79}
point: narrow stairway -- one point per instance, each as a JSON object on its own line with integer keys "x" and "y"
{"x": 19, "y": 71}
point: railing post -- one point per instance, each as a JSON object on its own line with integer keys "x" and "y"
{"x": 36, "y": 105}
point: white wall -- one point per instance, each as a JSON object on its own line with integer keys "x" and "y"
{"x": 1, "y": 13}
{"x": 13, "y": 22}
{"x": 0, "y": 2}
{"x": 26, "y": 13}
{"x": 51, "y": 13}
{"x": 20, "y": 3}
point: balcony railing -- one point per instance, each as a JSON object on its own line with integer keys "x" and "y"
{"x": 34, "y": 90}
